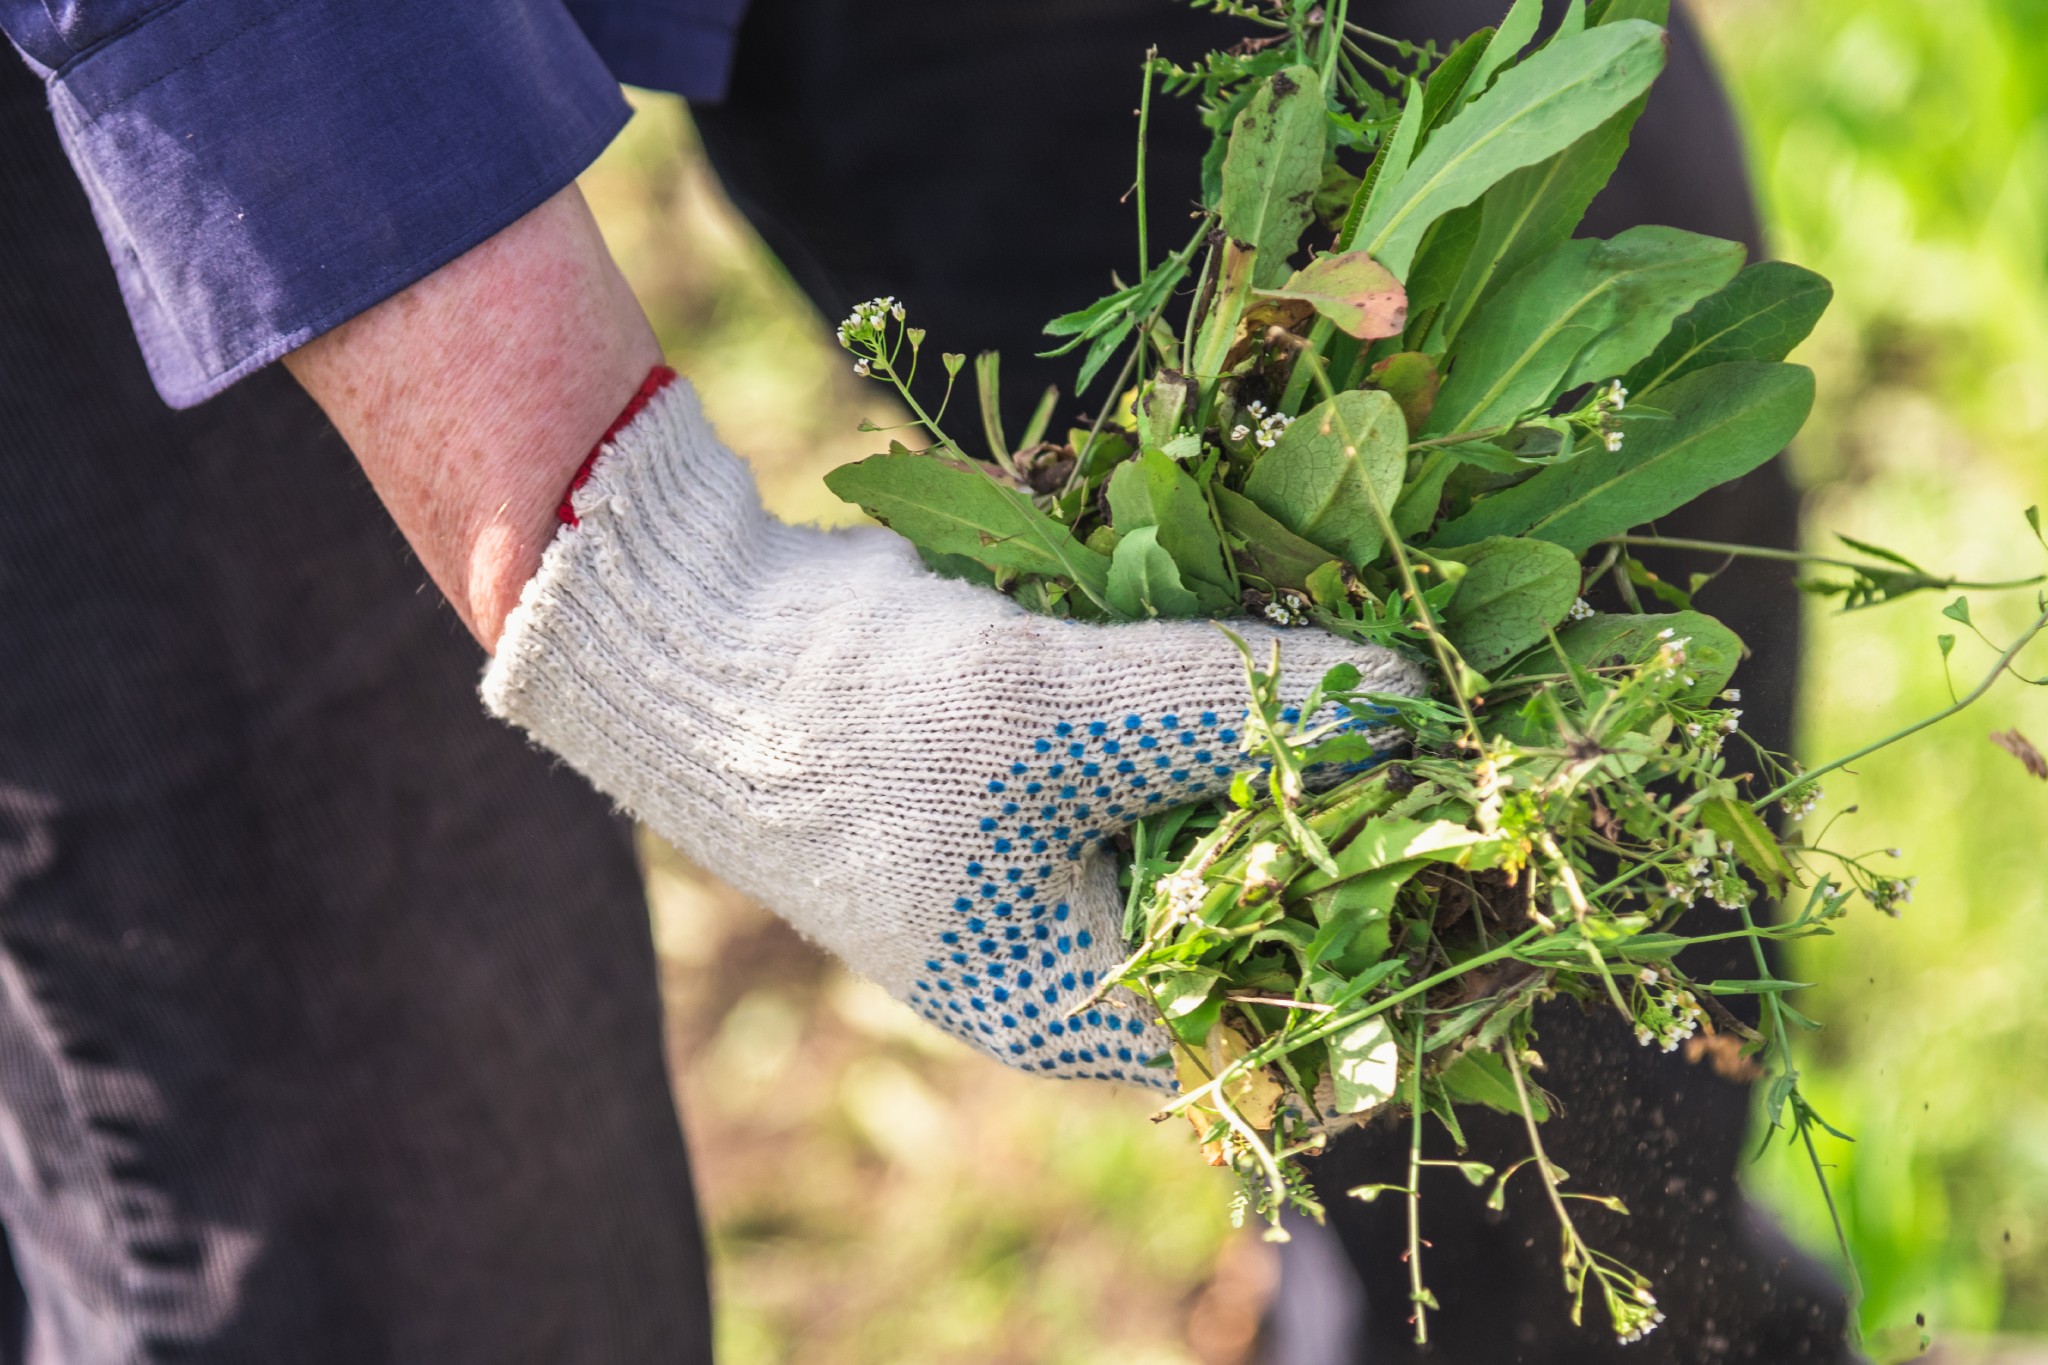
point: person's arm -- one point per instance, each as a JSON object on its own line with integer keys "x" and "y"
{"x": 472, "y": 396}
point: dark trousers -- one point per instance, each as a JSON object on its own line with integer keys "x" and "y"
{"x": 329, "y": 1028}
{"x": 970, "y": 159}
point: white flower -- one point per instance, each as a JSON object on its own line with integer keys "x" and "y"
{"x": 1240, "y": 433}
{"x": 1617, "y": 396}
{"x": 1286, "y": 610}
{"x": 1612, "y": 440}
{"x": 1581, "y": 610}
{"x": 1182, "y": 892}
{"x": 860, "y": 367}
{"x": 1732, "y": 694}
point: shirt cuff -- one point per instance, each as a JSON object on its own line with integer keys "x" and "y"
{"x": 263, "y": 173}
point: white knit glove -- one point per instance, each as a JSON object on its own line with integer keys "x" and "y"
{"x": 913, "y": 771}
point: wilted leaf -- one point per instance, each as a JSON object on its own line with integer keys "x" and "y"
{"x": 1411, "y": 377}
{"x": 1272, "y": 170}
{"x": 1513, "y": 592}
{"x": 1255, "y": 1095}
{"x": 2021, "y": 748}
{"x": 1355, "y": 292}
{"x": 1318, "y": 485}
{"x": 946, "y": 508}
{"x": 1725, "y": 421}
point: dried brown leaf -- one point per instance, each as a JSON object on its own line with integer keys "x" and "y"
{"x": 2021, "y": 748}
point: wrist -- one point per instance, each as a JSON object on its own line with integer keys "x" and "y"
{"x": 472, "y": 398}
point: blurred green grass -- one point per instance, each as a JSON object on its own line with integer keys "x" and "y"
{"x": 876, "y": 1194}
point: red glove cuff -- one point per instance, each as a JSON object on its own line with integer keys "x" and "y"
{"x": 657, "y": 379}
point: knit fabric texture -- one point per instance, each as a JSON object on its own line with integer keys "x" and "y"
{"x": 913, "y": 771}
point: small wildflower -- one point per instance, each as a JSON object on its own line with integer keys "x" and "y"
{"x": 1612, "y": 440}
{"x": 1617, "y": 396}
{"x": 860, "y": 367}
{"x": 1182, "y": 893}
{"x": 1732, "y": 694}
{"x": 1288, "y": 609}
{"x": 1581, "y": 610}
{"x": 1240, "y": 434}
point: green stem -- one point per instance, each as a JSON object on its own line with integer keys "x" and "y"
{"x": 2004, "y": 662}
{"x": 1263, "y": 1053}
{"x": 1144, "y": 123}
{"x": 1720, "y": 547}
{"x": 1416, "y": 1291}
{"x": 1783, "y": 1043}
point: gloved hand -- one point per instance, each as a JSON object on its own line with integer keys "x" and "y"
{"x": 913, "y": 771}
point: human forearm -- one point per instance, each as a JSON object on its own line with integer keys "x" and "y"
{"x": 472, "y": 396}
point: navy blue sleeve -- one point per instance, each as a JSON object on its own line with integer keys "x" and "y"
{"x": 263, "y": 170}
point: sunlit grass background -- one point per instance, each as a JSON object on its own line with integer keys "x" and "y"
{"x": 875, "y": 1194}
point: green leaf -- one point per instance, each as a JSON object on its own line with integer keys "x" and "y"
{"x": 1322, "y": 488}
{"x": 1759, "y": 986}
{"x": 1357, "y": 294}
{"x": 1585, "y": 310}
{"x": 1278, "y": 555}
{"x": 1712, "y": 650}
{"x": 1614, "y": 11}
{"x": 951, "y": 509}
{"x": 1482, "y": 1078}
{"x": 1531, "y": 212}
{"x": 1725, "y": 421}
{"x": 1451, "y": 81}
{"x": 1517, "y": 27}
{"x": 1143, "y": 580}
{"x": 1744, "y": 831}
{"x": 1385, "y": 843}
{"x": 1513, "y": 592}
{"x": 1272, "y": 170}
{"x": 1383, "y": 178}
{"x": 988, "y": 386}
{"x": 1352, "y": 919}
{"x": 1761, "y": 314}
{"x": 1958, "y": 610}
{"x": 1412, "y": 378}
{"x": 1533, "y": 111}
{"x": 1184, "y": 992}
{"x": 1154, "y": 491}
{"x": 1364, "y": 1061}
